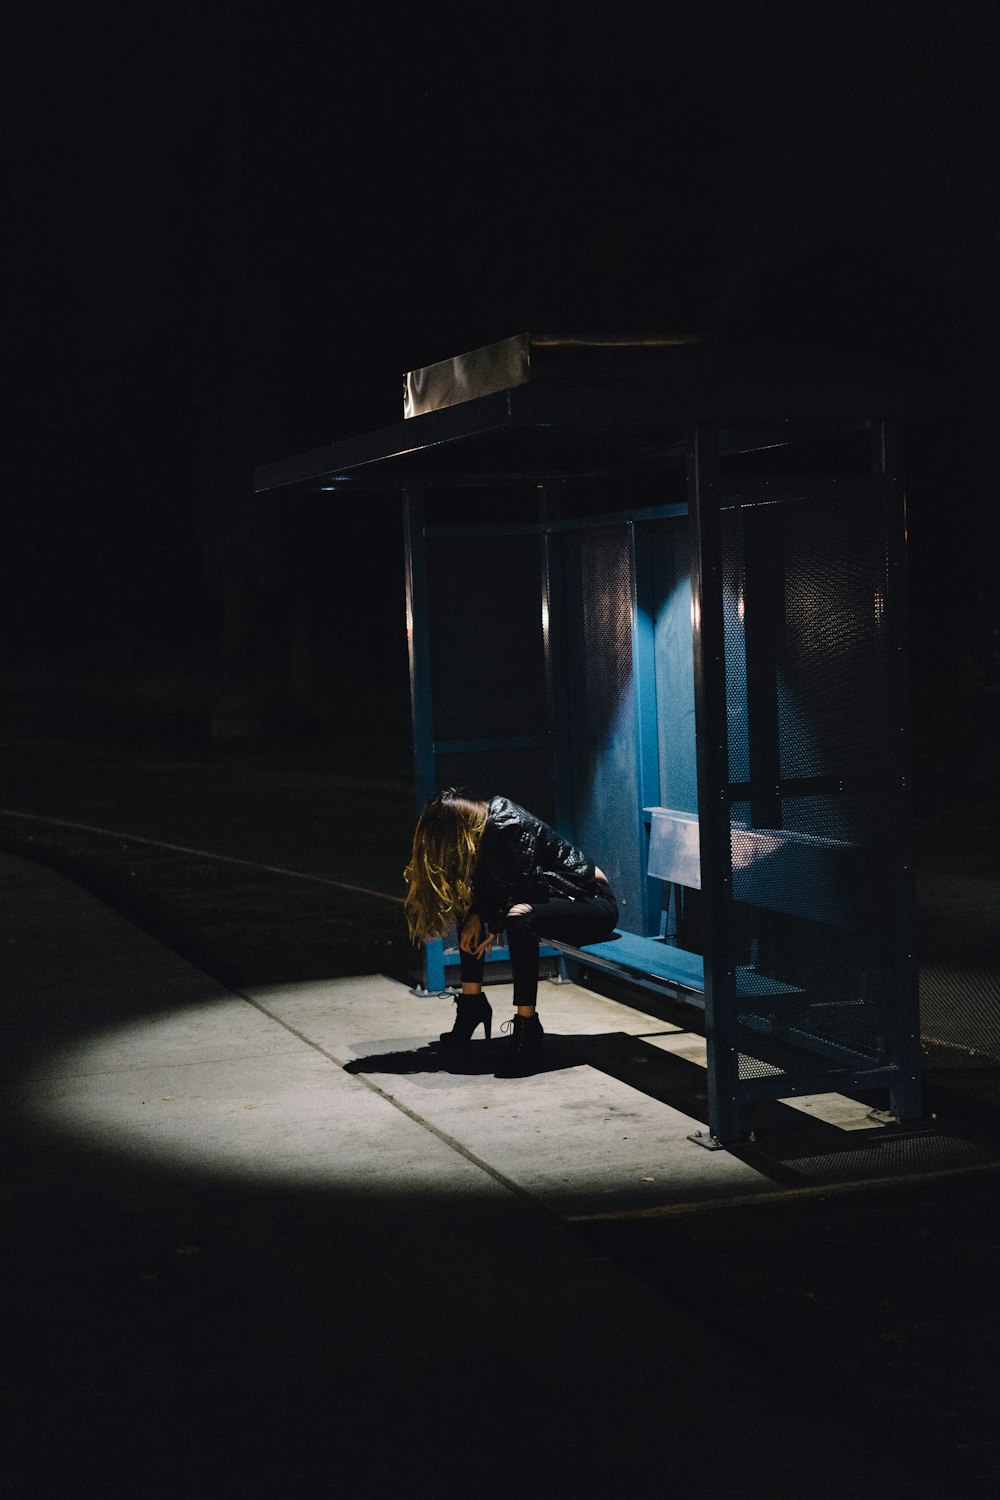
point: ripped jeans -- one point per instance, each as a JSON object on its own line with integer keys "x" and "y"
{"x": 589, "y": 919}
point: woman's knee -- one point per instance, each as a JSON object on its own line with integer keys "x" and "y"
{"x": 521, "y": 932}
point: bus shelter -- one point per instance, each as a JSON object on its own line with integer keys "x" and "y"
{"x": 655, "y": 592}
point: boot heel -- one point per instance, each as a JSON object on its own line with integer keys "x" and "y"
{"x": 470, "y": 1010}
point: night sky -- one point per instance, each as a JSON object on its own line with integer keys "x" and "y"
{"x": 237, "y": 225}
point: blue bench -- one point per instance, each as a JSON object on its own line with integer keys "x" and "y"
{"x": 798, "y": 875}
{"x": 654, "y": 964}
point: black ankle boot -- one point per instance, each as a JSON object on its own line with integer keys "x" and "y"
{"x": 524, "y": 1050}
{"x": 471, "y": 1011}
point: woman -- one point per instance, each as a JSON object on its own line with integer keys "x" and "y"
{"x": 491, "y": 866}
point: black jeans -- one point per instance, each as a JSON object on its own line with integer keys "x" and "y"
{"x": 590, "y": 919}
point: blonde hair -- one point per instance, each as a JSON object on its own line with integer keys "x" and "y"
{"x": 445, "y": 849}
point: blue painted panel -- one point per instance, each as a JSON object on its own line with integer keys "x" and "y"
{"x": 603, "y": 737}
{"x": 674, "y": 666}
{"x": 733, "y": 615}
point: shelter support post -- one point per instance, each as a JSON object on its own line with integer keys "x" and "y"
{"x": 708, "y": 637}
{"x": 554, "y": 637}
{"x": 421, "y": 703}
{"x": 905, "y": 1093}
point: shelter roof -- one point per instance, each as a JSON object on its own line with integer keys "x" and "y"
{"x": 595, "y": 407}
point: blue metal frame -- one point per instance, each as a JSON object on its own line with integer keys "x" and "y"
{"x": 631, "y": 417}
{"x": 421, "y": 693}
{"x": 553, "y": 525}
{"x": 553, "y": 605}
{"x": 708, "y": 626}
{"x": 727, "y": 1092}
{"x": 418, "y": 641}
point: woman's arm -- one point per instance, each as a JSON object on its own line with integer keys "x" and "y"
{"x": 499, "y": 869}
{"x": 474, "y": 938}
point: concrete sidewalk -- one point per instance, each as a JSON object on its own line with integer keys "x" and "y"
{"x": 272, "y": 1244}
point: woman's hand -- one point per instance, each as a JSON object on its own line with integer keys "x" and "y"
{"x": 469, "y": 937}
{"x": 522, "y": 909}
{"x": 473, "y": 939}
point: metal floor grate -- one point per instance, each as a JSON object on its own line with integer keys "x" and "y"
{"x": 895, "y": 1154}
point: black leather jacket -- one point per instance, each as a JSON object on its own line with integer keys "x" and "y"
{"x": 523, "y": 859}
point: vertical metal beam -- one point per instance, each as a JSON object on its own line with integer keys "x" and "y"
{"x": 554, "y": 647}
{"x": 709, "y": 641}
{"x": 421, "y": 700}
{"x": 418, "y": 641}
{"x": 902, "y": 978}
{"x": 644, "y": 699}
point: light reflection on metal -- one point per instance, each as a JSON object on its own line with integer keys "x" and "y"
{"x": 510, "y": 363}
{"x": 611, "y": 340}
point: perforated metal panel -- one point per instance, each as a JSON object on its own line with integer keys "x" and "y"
{"x": 525, "y": 775}
{"x": 960, "y": 1006}
{"x": 525, "y": 681}
{"x": 832, "y": 673}
{"x": 811, "y": 735}
{"x": 675, "y": 714}
{"x": 485, "y": 621}
{"x": 598, "y": 595}
{"x": 734, "y": 613}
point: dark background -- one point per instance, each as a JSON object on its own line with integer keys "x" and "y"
{"x": 237, "y": 225}
{"x": 229, "y": 229}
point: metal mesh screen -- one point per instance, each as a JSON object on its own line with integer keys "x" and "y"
{"x": 523, "y": 775}
{"x": 808, "y": 693}
{"x": 893, "y": 1156}
{"x": 960, "y": 968}
{"x": 831, "y": 676}
{"x": 960, "y": 1006}
{"x": 486, "y": 636}
{"x": 734, "y": 611}
{"x": 598, "y": 595}
{"x": 488, "y": 668}
{"x": 670, "y": 547}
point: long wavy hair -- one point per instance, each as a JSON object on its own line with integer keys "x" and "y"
{"x": 445, "y": 849}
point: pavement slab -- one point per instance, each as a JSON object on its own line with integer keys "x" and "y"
{"x": 258, "y": 1254}
{"x": 572, "y": 1137}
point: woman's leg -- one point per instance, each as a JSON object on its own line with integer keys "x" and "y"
{"x": 523, "y": 946}
{"x": 589, "y": 920}
{"x": 471, "y": 967}
{"x": 471, "y": 971}
{"x": 584, "y": 921}
{"x": 472, "y": 1007}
